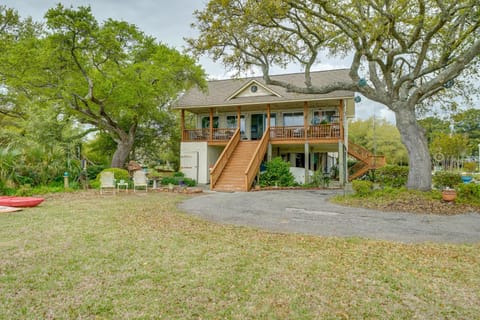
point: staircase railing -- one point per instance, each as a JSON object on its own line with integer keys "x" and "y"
{"x": 257, "y": 158}
{"x": 359, "y": 152}
{"x": 222, "y": 161}
{"x": 367, "y": 161}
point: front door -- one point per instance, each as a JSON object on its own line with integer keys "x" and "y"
{"x": 256, "y": 130}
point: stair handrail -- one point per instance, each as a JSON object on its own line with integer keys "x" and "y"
{"x": 222, "y": 161}
{"x": 256, "y": 159}
{"x": 376, "y": 162}
{"x": 359, "y": 152}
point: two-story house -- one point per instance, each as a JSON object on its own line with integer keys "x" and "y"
{"x": 236, "y": 124}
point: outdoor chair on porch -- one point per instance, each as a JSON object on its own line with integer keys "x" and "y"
{"x": 140, "y": 180}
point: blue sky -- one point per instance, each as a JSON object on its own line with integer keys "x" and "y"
{"x": 169, "y": 22}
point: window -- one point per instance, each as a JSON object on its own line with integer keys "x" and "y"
{"x": 232, "y": 123}
{"x": 325, "y": 116}
{"x": 293, "y": 119}
{"x": 206, "y": 122}
{"x": 273, "y": 120}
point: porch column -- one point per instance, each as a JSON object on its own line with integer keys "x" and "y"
{"x": 269, "y": 153}
{"x": 340, "y": 112}
{"x": 305, "y": 118}
{"x": 268, "y": 115}
{"x": 211, "y": 124}
{"x": 182, "y": 122}
{"x": 307, "y": 162}
{"x": 342, "y": 163}
{"x": 239, "y": 123}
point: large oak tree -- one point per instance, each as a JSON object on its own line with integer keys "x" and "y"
{"x": 404, "y": 52}
{"x": 109, "y": 75}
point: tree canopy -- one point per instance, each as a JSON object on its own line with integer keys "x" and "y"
{"x": 403, "y": 52}
{"x": 379, "y": 136}
{"x": 109, "y": 76}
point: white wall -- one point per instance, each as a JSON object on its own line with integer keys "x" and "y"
{"x": 201, "y": 148}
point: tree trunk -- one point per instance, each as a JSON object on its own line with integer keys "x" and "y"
{"x": 124, "y": 146}
{"x": 414, "y": 139}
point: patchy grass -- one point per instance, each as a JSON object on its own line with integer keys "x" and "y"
{"x": 393, "y": 199}
{"x": 135, "y": 256}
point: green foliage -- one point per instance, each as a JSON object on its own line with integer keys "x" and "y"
{"x": 93, "y": 171}
{"x": 177, "y": 180}
{"x": 392, "y": 176}
{"x": 362, "y": 188}
{"x": 380, "y": 136}
{"x": 446, "y": 179}
{"x": 109, "y": 75}
{"x": 277, "y": 173}
{"x": 468, "y": 122}
{"x": 319, "y": 178}
{"x": 449, "y": 145}
{"x": 468, "y": 193}
{"x": 470, "y": 166}
{"x": 178, "y": 174}
{"x": 434, "y": 126}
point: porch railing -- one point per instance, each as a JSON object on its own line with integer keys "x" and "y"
{"x": 223, "y": 159}
{"x": 219, "y": 134}
{"x": 257, "y": 158}
{"x": 321, "y": 131}
{"x": 190, "y": 135}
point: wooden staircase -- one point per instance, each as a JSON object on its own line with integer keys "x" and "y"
{"x": 366, "y": 161}
{"x": 232, "y": 177}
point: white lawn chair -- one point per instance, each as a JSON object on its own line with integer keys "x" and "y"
{"x": 140, "y": 180}
{"x": 107, "y": 182}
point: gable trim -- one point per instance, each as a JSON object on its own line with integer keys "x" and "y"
{"x": 249, "y": 84}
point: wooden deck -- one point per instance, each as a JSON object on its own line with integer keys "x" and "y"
{"x": 323, "y": 133}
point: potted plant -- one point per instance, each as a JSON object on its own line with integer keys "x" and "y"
{"x": 446, "y": 182}
{"x": 449, "y": 195}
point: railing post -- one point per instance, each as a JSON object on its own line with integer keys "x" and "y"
{"x": 211, "y": 124}
{"x": 305, "y": 119}
{"x": 182, "y": 123}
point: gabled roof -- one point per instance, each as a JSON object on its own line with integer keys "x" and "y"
{"x": 237, "y": 92}
{"x": 253, "y": 88}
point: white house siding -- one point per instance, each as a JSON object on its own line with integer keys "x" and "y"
{"x": 186, "y": 149}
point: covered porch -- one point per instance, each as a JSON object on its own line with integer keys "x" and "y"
{"x": 292, "y": 123}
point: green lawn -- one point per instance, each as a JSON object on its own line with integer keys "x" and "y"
{"x": 88, "y": 256}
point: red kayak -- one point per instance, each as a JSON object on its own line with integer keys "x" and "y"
{"x": 21, "y": 202}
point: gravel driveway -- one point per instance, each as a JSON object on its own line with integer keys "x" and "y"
{"x": 309, "y": 212}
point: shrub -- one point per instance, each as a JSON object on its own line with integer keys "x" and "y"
{"x": 320, "y": 178}
{"x": 362, "y": 188}
{"x": 93, "y": 171}
{"x": 444, "y": 179}
{"x": 468, "y": 192}
{"x": 277, "y": 173}
{"x": 178, "y": 174}
{"x": 470, "y": 166}
{"x": 176, "y": 181}
{"x": 392, "y": 176}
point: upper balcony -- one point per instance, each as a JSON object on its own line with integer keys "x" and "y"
{"x": 321, "y": 133}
